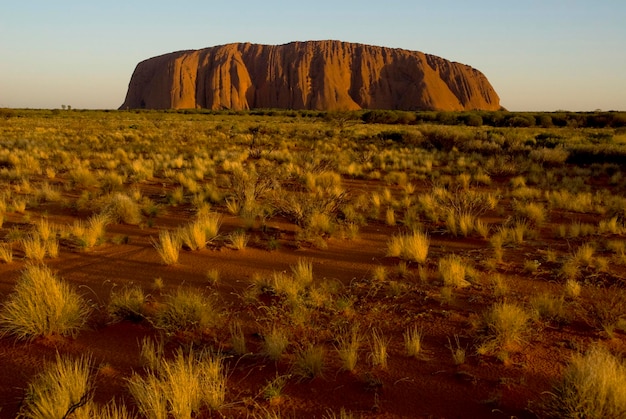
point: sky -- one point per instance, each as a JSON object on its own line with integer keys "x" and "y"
{"x": 539, "y": 55}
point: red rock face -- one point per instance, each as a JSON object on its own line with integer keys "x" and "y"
{"x": 319, "y": 75}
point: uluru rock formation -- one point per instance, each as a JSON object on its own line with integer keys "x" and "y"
{"x": 319, "y": 75}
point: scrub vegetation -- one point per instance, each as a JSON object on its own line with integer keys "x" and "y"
{"x": 268, "y": 263}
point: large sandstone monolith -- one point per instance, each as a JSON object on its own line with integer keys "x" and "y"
{"x": 320, "y": 75}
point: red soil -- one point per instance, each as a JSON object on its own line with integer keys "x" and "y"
{"x": 430, "y": 387}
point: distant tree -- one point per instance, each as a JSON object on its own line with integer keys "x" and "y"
{"x": 545, "y": 121}
{"x": 521, "y": 121}
{"x": 472, "y": 120}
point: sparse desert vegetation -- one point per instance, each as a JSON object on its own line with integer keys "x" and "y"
{"x": 299, "y": 264}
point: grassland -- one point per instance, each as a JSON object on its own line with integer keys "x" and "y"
{"x": 300, "y": 264}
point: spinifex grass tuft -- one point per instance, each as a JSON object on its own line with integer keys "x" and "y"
{"x": 412, "y": 247}
{"x": 452, "y": 270}
{"x": 309, "y": 362}
{"x": 186, "y": 310}
{"x": 168, "y": 246}
{"x": 42, "y": 305}
{"x": 413, "y": 341}
{"x": 379, "y": 349}
{"x": 348, "y": 345}
{"x": 506, "y": 326}
{"x": 62, "y": 388}
{"x": 6, "y": 252}
{"x": 180, "y": 387}
{"x": 127, "y": 303}
{"x": 592, "y": 386}
{"x": 275, "y": 342}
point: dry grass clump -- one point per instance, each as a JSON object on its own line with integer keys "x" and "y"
{"x": 6, "y": 252}
{"x": 610, "y": 226}
{"x": 303, "y": 272}
{"x": 460, "y": 223}
{"x": 379, "y": 274}
{"x": 413, "y": 341}
{"x": 592, "y": 386}
{"x": 151, "y": 352}
{"x": 168, "y": 246}
{"x": 348, "y": 345}
{"x": 583, "y": 257}
{"x": 42, "y": 305}
{"x": 181, "y": 387}
{"x": 111, "y": 410}
{"x": 238, "y": 240}
{"x": 186, "y": 310}
{"x": 390, "y": 217}
{"x": 499, "y": 285}
{"x": 237, "y": 338}
{"x": 550, "y": 308}
{"x": 452, "y": 270}
{"x": 120, "y": 207}
{"x": 309, "y": 362}
{"x": 506, "y": 326}
{"x": 127, "y": 303}
{"x": 203, "y": 230}
{"x": 379, "y": 345}
{"x": 62, "y": 390}
{"x": 343, "y": 414}
{"x": 275, "y": 341}
{"x": 457, "y": 351}
{"x": 582, "y": 202}
{"x": 92, "y": 233}
{"x": 533, "y": 212}
{"x": 411, "y": 247}
{"x": 35, "y": 248}
{"x": 193, "y": 236}
{"x": 572, "y": 288}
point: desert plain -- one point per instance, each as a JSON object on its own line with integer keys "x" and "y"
{"x": 292, "y": 264}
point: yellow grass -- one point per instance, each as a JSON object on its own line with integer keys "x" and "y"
{"x": 42, "y": 305}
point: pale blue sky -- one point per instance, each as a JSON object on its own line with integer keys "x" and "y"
{"x": 538, "y": 55}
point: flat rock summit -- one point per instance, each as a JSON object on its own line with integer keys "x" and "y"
{"x": 316, "y": 75}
